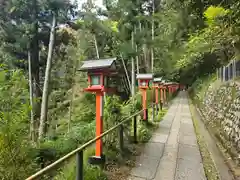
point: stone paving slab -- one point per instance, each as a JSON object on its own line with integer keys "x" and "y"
{"x": 164, "y": 128}
{"x": 154, "y": 150}
{"x": 187, "y": 121}
{"x": 188, "y": 140}
{"x": 187, "y": 129}
{"x": 186, "y": 115}
{"x": 167, "y": 166}
{"x": 189, "y": 170}
{"x": 146, "y": 167}
{"x": 159, "y": 138}
{"x": 190, "y": 153}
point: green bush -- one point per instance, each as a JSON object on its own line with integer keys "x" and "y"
{"x": 200, "y": 86}
{"x": 90, "y": 172}
{"x": 83, "y": 129}
{"x": 65, "y": 143}
{"x": 15, "y": 159}
{"x": 144, "y": 134}
{"x": 161, "y": 114}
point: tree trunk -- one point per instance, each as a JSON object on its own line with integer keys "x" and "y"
{"x": 147, "y": 58}
{"x": 44, "y": 107}
{"x": 141, "y": 50}
{"x": 145, "y": 53}
{"x": 37, "y": 92}
{"x": 72, "y": 96}
{"x": 133, "y": 69}
{"x": 96, "y": 46}
{"x": 126, "y": 72}
{"x": 152, "y": 60}
{"x": 152, "y": 49}
{"x": 32, "y": 123}
{"x": 136, "y": 47}
{"x": 137, "y": 61}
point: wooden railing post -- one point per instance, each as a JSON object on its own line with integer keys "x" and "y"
{"x": 79, "y": 175}
{"x": 121, "y": 143}
{"x": 135, "y": 129}
{"x": 153, "y": 111}
{"x": 161, "y": 105}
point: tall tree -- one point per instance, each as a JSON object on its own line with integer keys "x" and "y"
{"x": 44, "y": 107}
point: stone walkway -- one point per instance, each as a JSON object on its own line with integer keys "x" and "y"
{"x": 172, "y": 153}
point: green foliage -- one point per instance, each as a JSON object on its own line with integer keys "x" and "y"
{"x": 160, "y": 115}
{"x": 90, "y": 172}
{"x": 199, "y": 87}
{"x": 15, "y": 160}
{"x": 144, "y": 132}
{"x": 214, "y": 12}
{"x": 192, "y": 39}
{"x": 208, "y": 48}
{"x": 132, "y": 106}
{"x": 68, "y": 142}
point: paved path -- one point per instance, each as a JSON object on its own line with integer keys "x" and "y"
{"x": 172, "y": 153}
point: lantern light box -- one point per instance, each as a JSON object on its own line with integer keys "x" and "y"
{"x": 158, "y": 85}
{"x": 144, "y": 80}
{"x": 99, "y": 72}
{"x": 157, "y": 81}
{"x": 100, "y": 75}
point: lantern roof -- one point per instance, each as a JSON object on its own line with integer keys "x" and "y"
{"x": 98, "y": 64}
{"x": 157, "y": 79}
{"x": 171, "y": 83}
{"x": 145, "y": 76}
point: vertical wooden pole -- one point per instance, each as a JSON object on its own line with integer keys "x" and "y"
{"x": 79, "y": 175}
{"x": 157, "y": 98}
{"x": 165, "y": 95}
{"x": 135, "y": 129}
{"x": 99, "y": 122}
{"x": 144, "y": 101}
{"x": 161, "y": 94}
{"x": 133, "y": 69}
{"x": 156, "y": 95}
{"x": 121, "y": 143}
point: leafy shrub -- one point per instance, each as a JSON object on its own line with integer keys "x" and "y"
{"x": 65, "y": 143}
{"x": 90, "y": 172}
{"x": 143, "y": 131}
{"x": 214, "y": 12}
{"x": 15, "y": 160}
{"x": 133, "y": 105}
{"x": 161, "y": 114}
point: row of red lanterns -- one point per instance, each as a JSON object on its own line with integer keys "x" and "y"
{"x": 98, "y": 72}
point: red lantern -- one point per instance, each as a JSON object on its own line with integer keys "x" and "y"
{"x": 144, "y": 80}
{"x": 98, "y": 73}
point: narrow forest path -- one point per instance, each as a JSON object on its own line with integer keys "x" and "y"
{"x": 173, "y": 151}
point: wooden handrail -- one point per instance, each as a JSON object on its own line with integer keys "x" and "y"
{"x": 81, "y": 148}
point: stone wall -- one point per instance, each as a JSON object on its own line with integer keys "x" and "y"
{"x": 221, "y": 108}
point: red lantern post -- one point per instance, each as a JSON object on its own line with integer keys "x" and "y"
{"x": 144, "y": 80}
{"x": 158, "y": 86}
{"x": 98, "y": 71}
{"x": 162, "y": 93}
{"x": 165, "y": 94}
{"x": 170, "y": 89}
